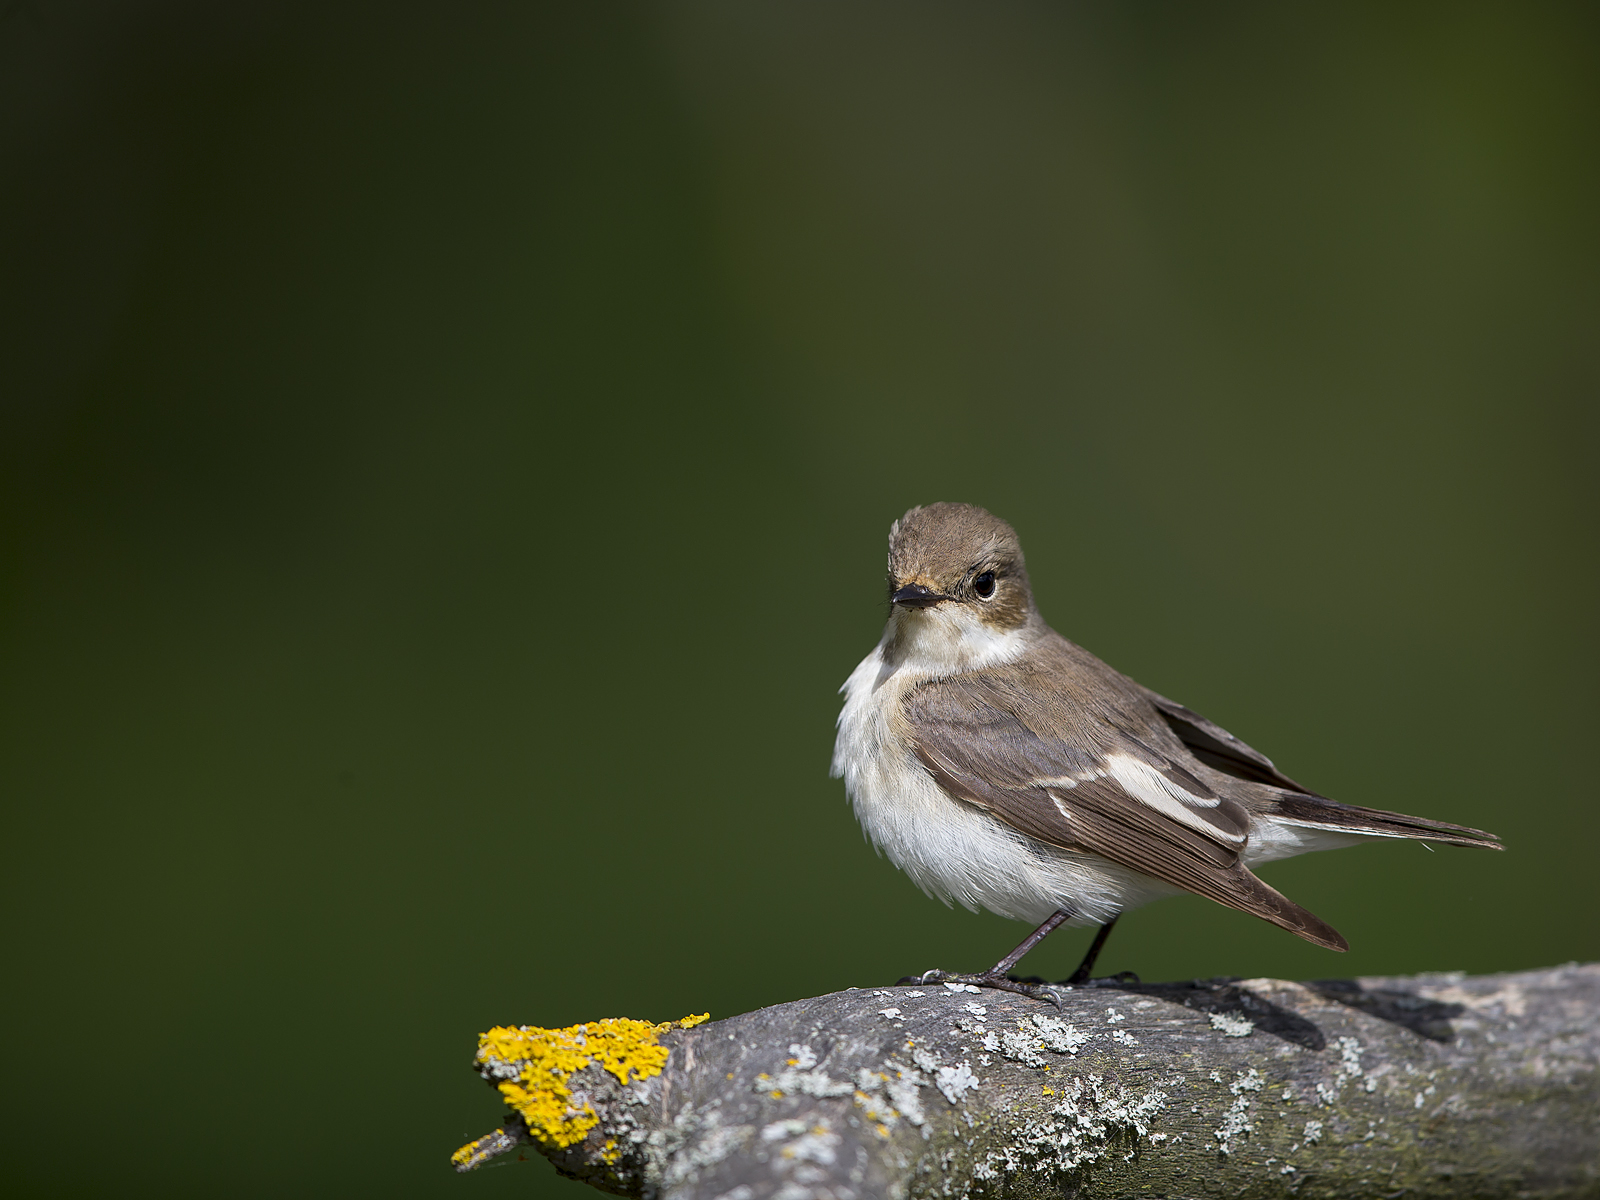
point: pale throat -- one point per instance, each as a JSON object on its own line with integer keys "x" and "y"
{"x": 945, "y": 640}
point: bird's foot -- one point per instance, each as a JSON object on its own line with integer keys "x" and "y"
{"x": 1039, "y": 990}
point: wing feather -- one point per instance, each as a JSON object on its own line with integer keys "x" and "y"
{"x": 1101, "y": 793}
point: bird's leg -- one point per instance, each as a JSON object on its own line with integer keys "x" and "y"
{"x": 996, "y": 976}
{"x": 1052, "y": 923}
{"x": 1080, "y": 977}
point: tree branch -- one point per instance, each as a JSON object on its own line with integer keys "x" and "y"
{"x": 1436, "y": 1085}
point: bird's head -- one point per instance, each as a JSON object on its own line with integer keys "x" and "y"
{"x": 958, "y": 589}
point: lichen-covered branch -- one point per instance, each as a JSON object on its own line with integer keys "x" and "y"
{"x": 1432, "y": 1086}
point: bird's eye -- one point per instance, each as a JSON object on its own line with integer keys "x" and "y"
{"x": 984, "y": 585}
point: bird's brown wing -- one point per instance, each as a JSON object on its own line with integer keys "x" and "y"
{"x": 1064, "y": 774}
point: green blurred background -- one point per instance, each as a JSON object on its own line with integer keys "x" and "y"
{"x": 446, "y": 460}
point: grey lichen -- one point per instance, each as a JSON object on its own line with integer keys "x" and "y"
{"x": 955, "y": 1082}
{"x": 1233, "y": 1026}
{"x": 1089, "y": 1118}
{"x": 1236, "y": 1119}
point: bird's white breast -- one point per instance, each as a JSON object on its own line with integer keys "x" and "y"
{"x": 951, "y": 849}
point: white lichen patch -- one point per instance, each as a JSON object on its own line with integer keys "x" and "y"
{"x": 1018, "y": 1047}
{"x": 980, "y": 1011}
{"x": 1123, "y": 1037}
{"x": 891, "y": 1095}
{"x": 815, "y": 1145}
{"x": 1349, "y": 1069}
{"x": 878, "y": 1108}
{"x": 1090, "y": 1117}
{"x": 964, "y": 987}
{"x": 782, "y": 1129}
{"x": 794, "y": 1082}
{"x": 1236, "y": 1121}
{"x": 1350, "y": 1058}
{"x": 1312, "y": 1134}
{"x": 1232, "y": 1024}
{"x": 800, "y": 1056}
{"x": 1033, "y": 1033}
{"x": 903, "y": 1095}
{"x": 694, "y": 1142}
{"x": 892, "y": 1014}
{"x": 1113, "y": 1016}
{"x": 1055, "y": 1034}
{"x": 801, "y": 1155}
{"x": 955, "y": 1082}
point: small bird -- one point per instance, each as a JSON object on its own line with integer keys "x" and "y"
{"x": 999, "y": 764}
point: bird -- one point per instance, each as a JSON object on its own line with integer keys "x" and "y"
{"x": 1004, "y": 767}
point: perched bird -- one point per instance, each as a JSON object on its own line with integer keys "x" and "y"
{"x": 999, "y": 764}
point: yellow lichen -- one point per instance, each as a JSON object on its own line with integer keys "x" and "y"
{"x": 476, "y": 1152}
{"x": 548, "y": 1058}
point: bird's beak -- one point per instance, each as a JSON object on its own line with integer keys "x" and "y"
{"x": 914, "y": 595}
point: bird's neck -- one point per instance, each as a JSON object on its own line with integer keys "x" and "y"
{"x": 947, "y": 640}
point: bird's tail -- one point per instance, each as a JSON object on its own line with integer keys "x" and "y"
{"x": 1260, "y": 899}
{"x": 1315, "y": 812}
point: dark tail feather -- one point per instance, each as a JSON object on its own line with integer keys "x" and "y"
{"x": 1249, "y": 894}
{"x": 1330, "y": 814}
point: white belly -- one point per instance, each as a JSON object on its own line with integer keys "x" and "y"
{"x": 952, "y": 850}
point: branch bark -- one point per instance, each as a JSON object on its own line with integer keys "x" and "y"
{"x": 1430, "y": 1086}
